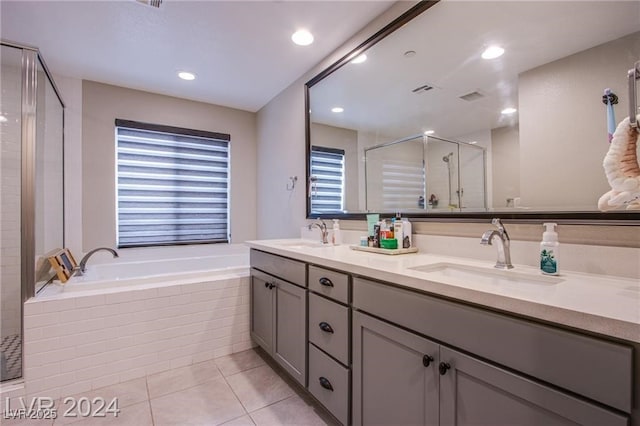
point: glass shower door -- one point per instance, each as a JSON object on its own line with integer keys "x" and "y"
{"x": 10, "y": 213}
{"x": 472, "y": 191}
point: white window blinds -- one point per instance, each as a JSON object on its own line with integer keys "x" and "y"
{"x": 172, "y": 185}
{"x": 327, "y": 179}
{"x": 403, "y": 183}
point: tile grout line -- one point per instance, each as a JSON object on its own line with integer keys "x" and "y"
{"x": 271, "y": 403}
{"x": 146, "y": 383}
{"x": 184, "y": 389}
{"x": 246, "y": 412}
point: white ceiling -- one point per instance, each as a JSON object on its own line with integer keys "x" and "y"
{"x": 448, "y": 40}
{"x": 241, "y": 51}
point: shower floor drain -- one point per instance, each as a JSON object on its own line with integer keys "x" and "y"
{"x": 11, "y": 348}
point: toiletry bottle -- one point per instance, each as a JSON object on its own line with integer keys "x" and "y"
{"x": 336, "y": 238}
{"x": 376, "y": 235}
{"x": 407, "y": 239}
{"x": 549, "y": 248}
{"x": 398, "y": 230}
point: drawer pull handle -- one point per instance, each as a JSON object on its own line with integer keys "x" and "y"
{"x": 443, "y": 367}
{"x": 325, "y": 383}
{"x": 326, "y": 282}
{"x": 324, "y": 326}
{"x": 426, "y": 360}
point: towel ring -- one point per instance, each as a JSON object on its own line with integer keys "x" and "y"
{"x": 633, "y": 74}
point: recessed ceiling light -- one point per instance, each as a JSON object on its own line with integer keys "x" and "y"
{"x": 302, "y": 38}
{"x": 337, "y": 109}
{"x": 429, "y": 132}
{"x": 359, "y": 59}
{"x": 492, "y": 52}
{"x": 3, "y": 119}
{"x": 186, "y": 75}
{"x": 409, "y": 53}
{"x": 508, "y": 111}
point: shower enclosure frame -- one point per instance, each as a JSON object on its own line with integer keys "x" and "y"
{"x": 384, "y": 145}
{"x": 485, "y": 191}
{"x": 425, "y": 141}
{"x": 31, "y": 57}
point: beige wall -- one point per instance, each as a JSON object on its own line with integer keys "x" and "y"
{"x": 346, "y": 139}
{"x": 281, "y": 144}
{"x": 505, "y": 165}
{"x": 71, "y": 92}
{"x": 102, "y": 104}
{"x": 555, "y": 135}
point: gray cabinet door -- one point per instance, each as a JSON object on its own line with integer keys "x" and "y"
{"x": 262, "y": 310}
{"x": 393, "y": 382}
{"x": 473, "y": 392}
{"x": 289, "y": 350}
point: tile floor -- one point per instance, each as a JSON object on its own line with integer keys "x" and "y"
{"x": 239, "y": 389}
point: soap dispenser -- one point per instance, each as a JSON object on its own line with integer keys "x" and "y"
{"x": 549, "y": 248}
{"x": 336, "y": 238}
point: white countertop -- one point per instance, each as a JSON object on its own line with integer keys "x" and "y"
{"x": 595, "y": 303}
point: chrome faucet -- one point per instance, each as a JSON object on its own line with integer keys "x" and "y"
{"x": 82, "y": 268}
{"x": 323, "y": 229}
{"x": 502, "y": 238}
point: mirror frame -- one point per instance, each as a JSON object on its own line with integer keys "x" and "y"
{"x": 619, "y": 217}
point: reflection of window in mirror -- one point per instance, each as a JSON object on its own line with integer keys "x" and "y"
{"x": 327, "y": 176}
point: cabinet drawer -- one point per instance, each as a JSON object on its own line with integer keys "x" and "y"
{"x": 281, "y": 267}
{"x": 329, "y": 383}
{"x": 329, "y": 327}
{"x": 591, "y": 367}
{"x": 329, "y": 283}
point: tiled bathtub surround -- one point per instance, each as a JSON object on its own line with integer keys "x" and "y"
{"x": 77, "y": 344}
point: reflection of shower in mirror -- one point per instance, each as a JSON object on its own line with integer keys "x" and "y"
{"x": 447, "y": 159}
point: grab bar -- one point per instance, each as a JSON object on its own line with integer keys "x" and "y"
{"x": 633, "y": 74}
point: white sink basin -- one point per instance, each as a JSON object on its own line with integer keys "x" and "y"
{"x": 484, "y": 276}
{"x": 300, "y": 244}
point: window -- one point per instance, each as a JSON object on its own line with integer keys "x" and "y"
{"x": 172, "y": 185}
{"x": 327, "y": 179}
{"x": 403, "y": 184}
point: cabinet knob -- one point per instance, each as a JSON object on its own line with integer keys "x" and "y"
{"x": 266, "y": 285}
{"x": 426, "y": 360}
{"x": 325, "y": 383}
{"x": 326, "y": 282}
{"x": 443, "y": 367}
{"x": 272, "y": 285}
{"x": 324, "y": 326}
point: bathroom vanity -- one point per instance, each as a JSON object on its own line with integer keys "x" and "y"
{"x": 424, "y": 339}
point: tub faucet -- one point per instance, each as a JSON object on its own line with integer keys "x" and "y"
{"x": 502, "y": 238}
{"x": 81, "y": 269}
{"x": 323, "y": 229}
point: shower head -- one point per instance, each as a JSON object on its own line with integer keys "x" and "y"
{"x": 447, "y": 157}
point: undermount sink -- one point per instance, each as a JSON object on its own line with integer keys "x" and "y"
{"x": 299, "y": 244}
{"x": 484, "y": 276}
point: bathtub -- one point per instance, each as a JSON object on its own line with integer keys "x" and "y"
{"x": 141, "y": 314}
{"x": 124, "y": 272}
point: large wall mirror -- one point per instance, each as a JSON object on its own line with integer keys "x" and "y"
{"x": 416, "y": 120}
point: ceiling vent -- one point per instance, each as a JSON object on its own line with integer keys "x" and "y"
{"x": 473, "y": 96}
{"x": 152, "y": 3}
{"x": 423, "y": 88}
